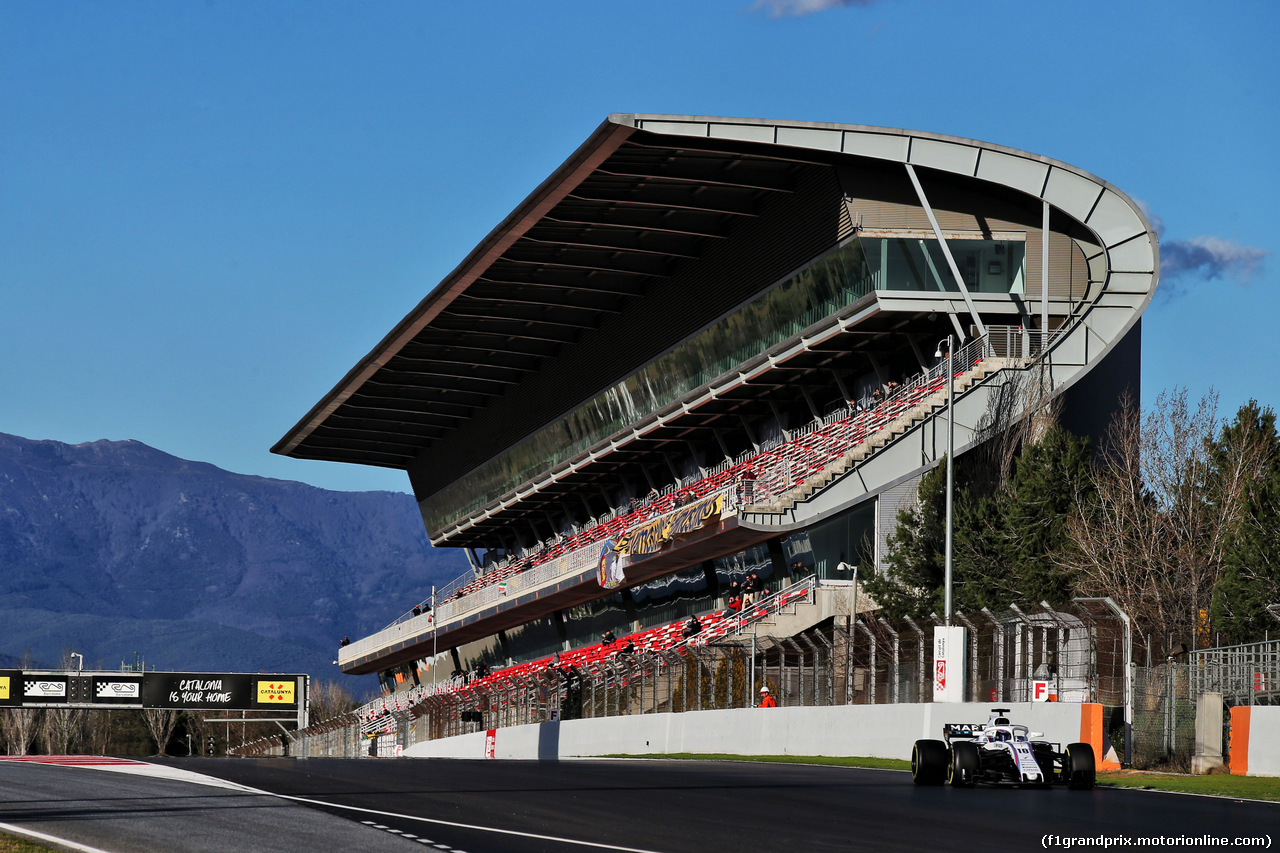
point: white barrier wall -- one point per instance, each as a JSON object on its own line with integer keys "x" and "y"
{"x": 876, "y": 731}
{"x": 1256, "y": 731}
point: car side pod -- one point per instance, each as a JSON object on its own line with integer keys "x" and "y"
{"x": 962, "y": 772}
{"x": 1079, "y": 766}
{"x": 929, "y": 762}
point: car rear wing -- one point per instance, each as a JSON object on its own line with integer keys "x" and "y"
{"x": 962, "y": 730}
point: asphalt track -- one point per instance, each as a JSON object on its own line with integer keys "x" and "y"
{"x": 650, "y": 805}
{"x": 116, "y": 810}
{"x": 708, "y": 806}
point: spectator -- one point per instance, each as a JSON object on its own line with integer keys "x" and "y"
{"x": 766, "y": 699}
{"x": 751, "y": 589}
{"x": 417, "y": 610}
{"x": 735, "y": 605}
{"x": 346, "y": 641}
{"x": 748, "y": 483}
{"x": 607, "y": 638}
{"x": 629, "y": 649}
{"x": 691, "y": 628}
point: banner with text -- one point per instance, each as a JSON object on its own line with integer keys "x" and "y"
{"x": 649, "y": 538}
{"x": 219, "y": 690}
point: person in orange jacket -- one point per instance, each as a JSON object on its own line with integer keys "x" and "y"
{"x": 766, "y": 699}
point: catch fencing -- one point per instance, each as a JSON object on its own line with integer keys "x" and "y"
{"x": 1077, "y": 651}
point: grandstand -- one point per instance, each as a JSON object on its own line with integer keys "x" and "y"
{"x": 704, "y": 349}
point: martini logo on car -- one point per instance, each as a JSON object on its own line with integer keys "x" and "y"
{"x": 276, "y": 692}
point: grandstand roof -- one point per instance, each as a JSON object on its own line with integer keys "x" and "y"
{"x": 640, "y": 203}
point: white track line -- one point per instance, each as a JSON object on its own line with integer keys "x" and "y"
{"x": 177, "y": 774}
{"x": 457, "y": 825}
{"x": 52, "y": 839}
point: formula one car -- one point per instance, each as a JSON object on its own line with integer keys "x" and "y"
{"x": 999, "y": 752}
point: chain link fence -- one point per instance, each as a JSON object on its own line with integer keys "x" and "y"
{"x": 1078, "y": 651}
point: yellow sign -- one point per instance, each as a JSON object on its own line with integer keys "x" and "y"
{"x": 276, "y": 693}
{"x": 4, "y": 687}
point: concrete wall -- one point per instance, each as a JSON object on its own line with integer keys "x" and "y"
{"x": 877, "y": 731}
{"x": 1255, "y": 741}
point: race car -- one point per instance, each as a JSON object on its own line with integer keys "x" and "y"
{"x": 999, "y": 752}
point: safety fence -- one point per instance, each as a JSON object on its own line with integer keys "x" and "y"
{"x": 1072, "y": 654}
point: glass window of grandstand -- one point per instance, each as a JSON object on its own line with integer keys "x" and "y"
{"x": 915, "y": 261}
{"x": 830, "y": 283}
{"x": 839, "y": 544}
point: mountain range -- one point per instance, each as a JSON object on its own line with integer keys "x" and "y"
{"x": 122, "y": 552}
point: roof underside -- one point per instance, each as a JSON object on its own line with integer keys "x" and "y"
{"x": 607, "y": 239}
{"x": 631, "y": 214}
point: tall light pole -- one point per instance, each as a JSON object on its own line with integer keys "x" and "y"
{"x": 951, "y": 452}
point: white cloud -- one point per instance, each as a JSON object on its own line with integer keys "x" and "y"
{"x": 1210, "y": 257}
{"x": 796, "y": 8}
{"x": 1204, "y": 258}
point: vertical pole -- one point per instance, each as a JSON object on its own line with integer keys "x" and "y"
{"x": 434, "y": 620}
{"x": 1044, "y": 275}
{"x": 951, "y": 452}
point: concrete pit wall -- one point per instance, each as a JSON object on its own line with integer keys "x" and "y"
{"x": 876, "y": 731}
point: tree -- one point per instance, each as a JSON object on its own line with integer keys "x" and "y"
{"x": 1154, "y": 537}
{"x": 160, "y": 722}
{"x": 18, "y": 726}
{"x": 329, "y": 699}
{"x": 1251, "y": 557}
{"x": 912, "y": 584}
{"x": 1050, "y": 480}
{"x": 64, "y": 728}
{"x": 1004, "y": 540}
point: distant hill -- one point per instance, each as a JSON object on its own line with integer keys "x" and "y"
{"x": 112, "y": 547}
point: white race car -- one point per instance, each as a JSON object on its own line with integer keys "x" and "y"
{"x": 999, "y": 752}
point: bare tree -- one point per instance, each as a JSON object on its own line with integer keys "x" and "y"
{"x": 1154, "y": 538}
{"x": 63, "y": 728}
{"x": 18, "y": 727}
{"x": 329, "y": 699}
{"x": 160, "y": 722}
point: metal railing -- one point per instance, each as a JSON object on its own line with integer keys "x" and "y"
{"x": 1247, "y": 674}
{"x": 773, "y": 478}
{"x": 1079, "y": 650}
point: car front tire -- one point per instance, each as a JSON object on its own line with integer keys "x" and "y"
{"x": 1079, "y": 767}
{"x": 929, "y": 762}
{"x": 962, "y": 771}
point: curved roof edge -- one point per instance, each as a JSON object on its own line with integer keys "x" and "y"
{"x": 1122, "y": 228}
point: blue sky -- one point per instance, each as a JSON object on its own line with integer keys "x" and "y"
{"x": 210, "y": 211}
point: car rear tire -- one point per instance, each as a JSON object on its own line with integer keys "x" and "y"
{"x": 962, "y": 771}
{"x": 1079, "y": 767}
{"x": 929, "y": 762}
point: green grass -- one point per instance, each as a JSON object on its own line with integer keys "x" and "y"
{"x": 1218, "y": 785}
{"x": 16, "y": 844}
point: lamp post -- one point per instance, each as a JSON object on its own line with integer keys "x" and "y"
{"x": 951, "y": 452}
